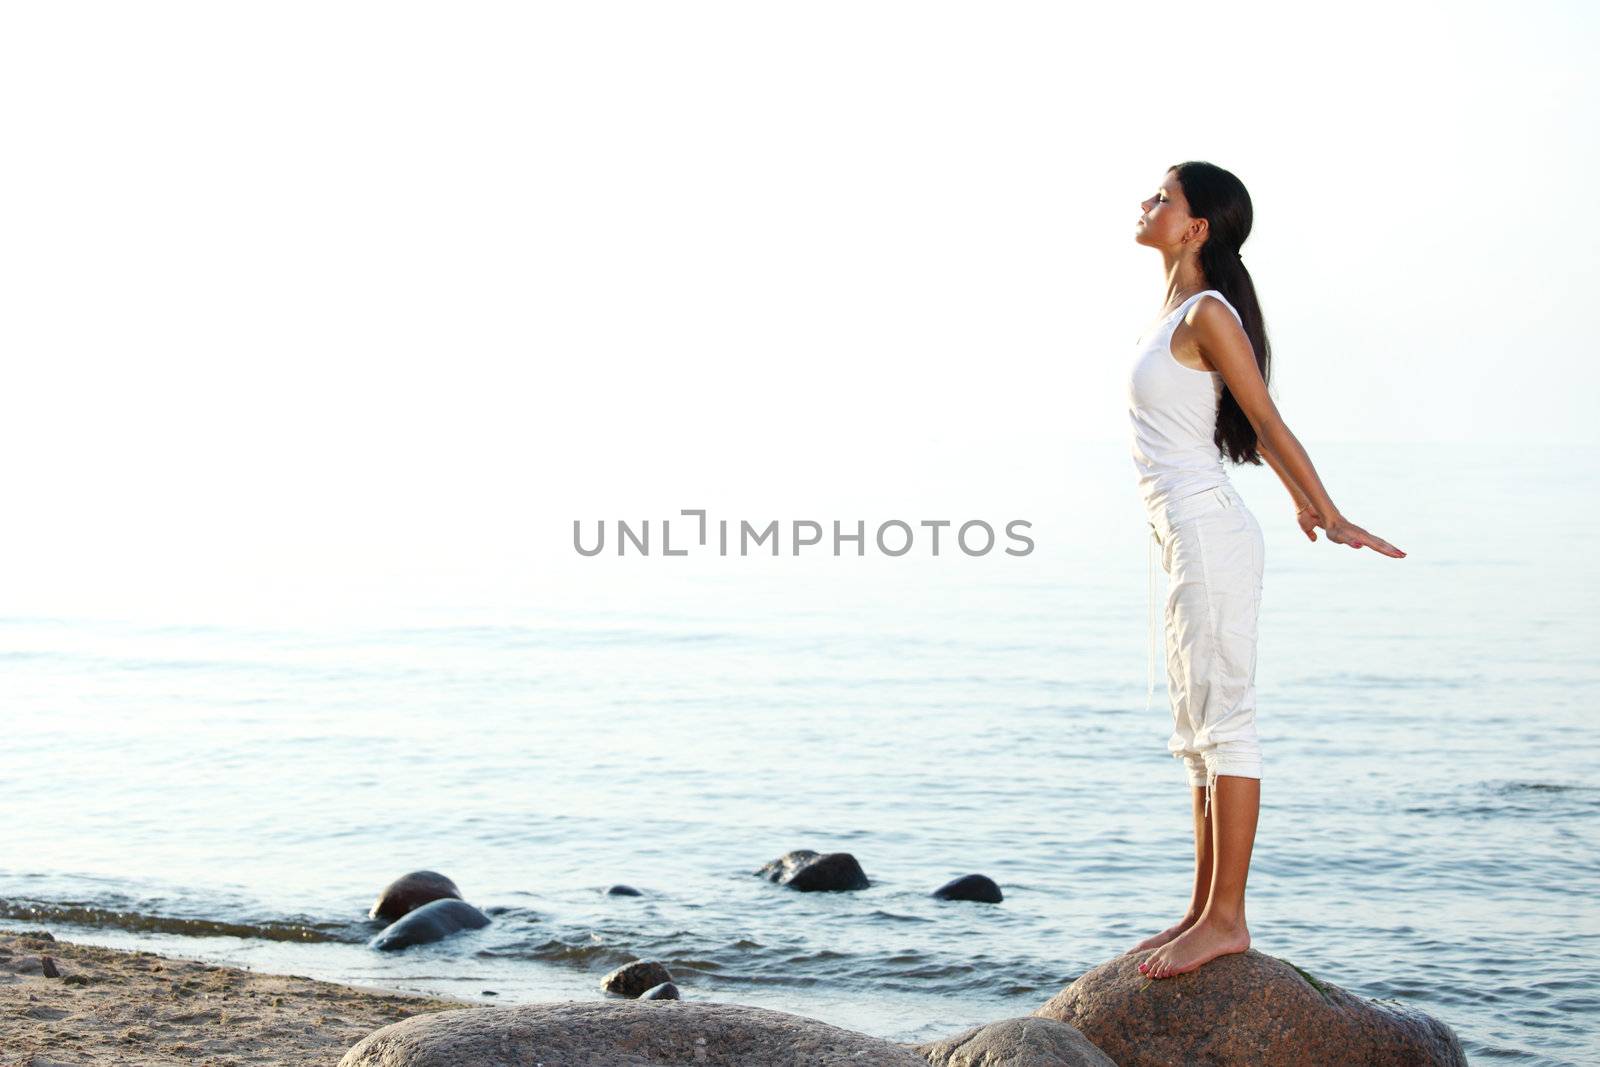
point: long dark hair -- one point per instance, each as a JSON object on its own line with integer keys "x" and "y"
{"x": 1221, "y": 199}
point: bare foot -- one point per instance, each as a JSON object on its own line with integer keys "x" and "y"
{"x": 1157, "y": 940}
{"x": 1196, "y": 946}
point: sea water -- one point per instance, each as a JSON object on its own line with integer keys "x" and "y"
{"x": 237, "y": 786}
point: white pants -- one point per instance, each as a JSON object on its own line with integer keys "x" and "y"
{"x": 1213, "y": 553}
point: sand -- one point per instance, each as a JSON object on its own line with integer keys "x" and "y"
{"x": 112, "y": 1006}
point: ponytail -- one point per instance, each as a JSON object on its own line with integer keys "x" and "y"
{"x": 1221, "y": 199}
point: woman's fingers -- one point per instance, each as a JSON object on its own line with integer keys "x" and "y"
{"x": 1344, "y": 532}
{"x": 1386, "y": 548}
{"x": 1362, "y": 538}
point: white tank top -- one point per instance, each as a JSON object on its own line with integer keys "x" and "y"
{"x": 1174, "y": 414}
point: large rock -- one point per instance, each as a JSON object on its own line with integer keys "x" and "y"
{"x": 1244, "y": 1008}
{"x": 1027, "y": 1041}
{"x": 431, "y": 922}
{"x": 812, "y": 872}
{"x": 622, "y": 1033}
{"x": 411, "y": 891}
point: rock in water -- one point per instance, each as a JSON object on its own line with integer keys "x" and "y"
{"x": 622, "y": 1032}
{"x": 412, "y": 891}
{"x": 812, "y": 872}
{"x": 1027, "y": 1041}
{"x": 634, "y": 978}
{"x": 970, "y": 887}
{"x": 431, "y": 922}
{"x": 1245, "y": 1007}
{"x": 664, "y": 991}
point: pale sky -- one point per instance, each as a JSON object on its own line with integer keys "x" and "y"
{"x": 395, "y": 276}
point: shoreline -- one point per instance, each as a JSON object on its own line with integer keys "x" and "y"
{"x": 143, "y": 1009}
{"x": 71, "y": 1004}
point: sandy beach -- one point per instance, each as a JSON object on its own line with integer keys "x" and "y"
{"x": 110, "y": 1006}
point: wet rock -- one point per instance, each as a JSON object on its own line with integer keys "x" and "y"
{"x": 431, "y": 922}
{"x": 664, "y": 991}
{"x": 623, "y": 1033}
{"x": 623, "y": 891}
{"x": 634, "y": 978}
{"x": 970, "y": 887}
{"x": 1026, "y": 1041}
{"x": 812, "y": 872}
{"x": 412, "y": 891}
{"x": 1245, "y": 1007}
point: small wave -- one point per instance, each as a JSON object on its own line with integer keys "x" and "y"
{"x": 589, "y": 955}
{"x": 897, "y": 917}
{"x": 1359, "y": 680}
{"x": 79, "y": 914}
{"x": 1543, "y": 787}
{"x": 1513, "y": 799}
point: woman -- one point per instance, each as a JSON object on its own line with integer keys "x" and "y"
{"x": 1198, "y": 390}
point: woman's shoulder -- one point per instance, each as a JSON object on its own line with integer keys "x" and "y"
{"x": 1201, "y": 304}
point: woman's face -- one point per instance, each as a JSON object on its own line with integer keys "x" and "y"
{"x": 1165, "y": 216}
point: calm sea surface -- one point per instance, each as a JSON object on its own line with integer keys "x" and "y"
{"x": 1430, "y": 825}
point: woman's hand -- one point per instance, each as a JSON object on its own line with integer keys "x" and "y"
{"x": 1308, "y": 519}
{"x": 1343, "y": 532}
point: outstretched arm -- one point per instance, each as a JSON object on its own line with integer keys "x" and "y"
{"x": 1300, "y": 499}
{"x": 1226, "y": 347}
{"x": 1306, "y": 513}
